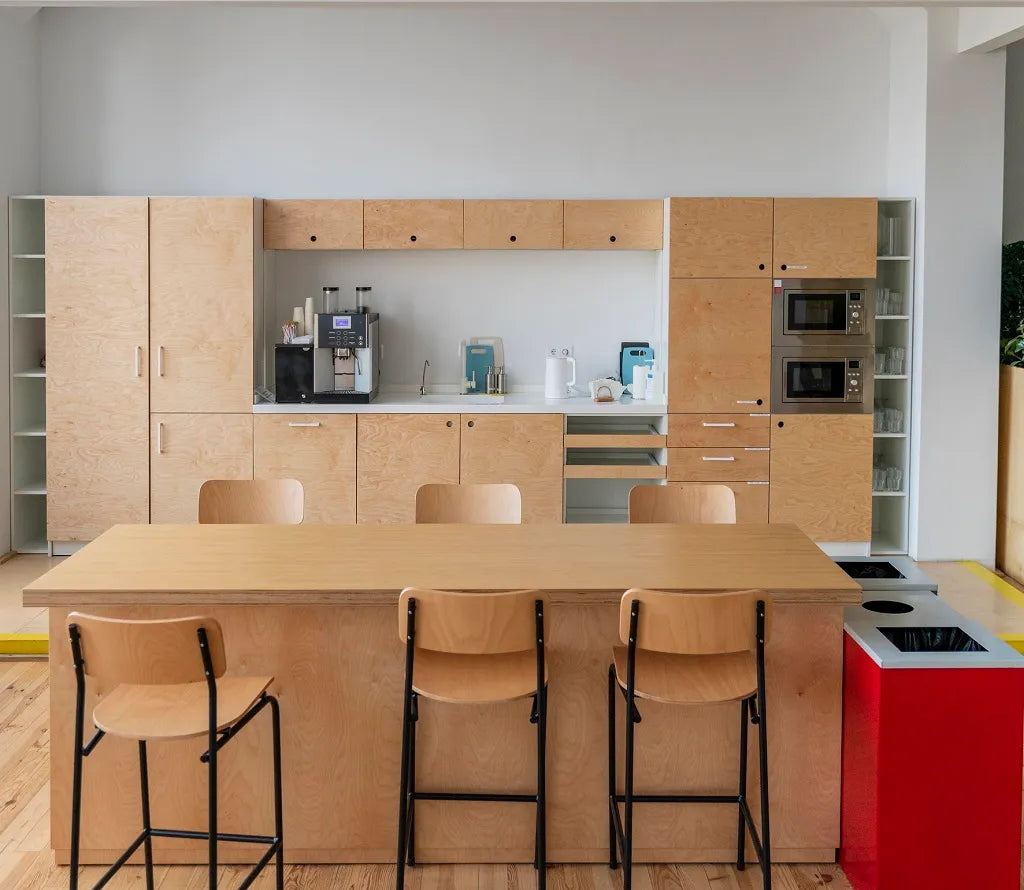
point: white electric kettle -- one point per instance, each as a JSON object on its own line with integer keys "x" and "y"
{"x": 559, "y": 376}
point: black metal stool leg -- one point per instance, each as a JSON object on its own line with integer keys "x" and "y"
{"x": 411, "y": 851}
{"x": 613, "y": 840}
{"x": 76, "y": 806}
{"x": 766, "y": 864}
{"x": 403, "y": 796}
{"x": 146, "y": 824}
{"x": 627, "y": 853}
{"x": 542, "y": 729}
{"x": 741, "y": 840}
{"x": 275, "y": 712}
{"x": 212, "y": 798}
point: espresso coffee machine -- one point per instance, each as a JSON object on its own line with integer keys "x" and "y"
{"x": 346, "y": 356}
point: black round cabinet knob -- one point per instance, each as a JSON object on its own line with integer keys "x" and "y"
{"x": 449, "y": 423}
{"x": 783, "y": 267}
{"x": 781, "y": 424}
{"x": 312, "y": 237}
{"x": 471, "y": 423}
{"x": 760, "y": 266}
{"x": 760, "y": 401}
{"x": 413, "y": 238}
{"x": 511, "y": 237}
{"x": 612, "y": 238}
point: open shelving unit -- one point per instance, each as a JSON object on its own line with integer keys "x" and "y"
{"x": 893, "y": 328}
{"x": 27, "y": 289}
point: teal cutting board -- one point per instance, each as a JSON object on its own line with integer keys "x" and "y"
{"x": 478, "y": 359}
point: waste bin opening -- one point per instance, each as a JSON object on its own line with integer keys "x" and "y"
{"x": 931, "y": 639}
{"x": 890, "y": 607}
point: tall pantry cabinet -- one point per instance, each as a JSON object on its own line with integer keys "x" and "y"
{"x": 149, "y": 309}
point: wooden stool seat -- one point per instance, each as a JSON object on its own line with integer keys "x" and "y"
{"x": 179, "y": 711}
{"x": 689, "y": 679}
{"x": 475, "y": 679}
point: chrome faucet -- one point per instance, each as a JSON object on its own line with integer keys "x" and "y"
{"x": 423, "y": 382}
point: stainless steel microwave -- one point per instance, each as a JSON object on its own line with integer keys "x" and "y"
{"x": 810, "y": 312}
{"x": 823, "y": 379}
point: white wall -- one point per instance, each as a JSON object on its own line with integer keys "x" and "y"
{"x": 473, "y": 100}
{"x": 957, "y": 325}
{"x": 985, "y": 28}
{"x": 19, "y": 175}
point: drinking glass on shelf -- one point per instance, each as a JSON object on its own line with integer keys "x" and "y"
{"x": 878, "y": 478}
{"x": 895, "y": 356}
{"x": 893, "y": 420}
{"x": 894, "y": 302}
{"x": 879, "y": 419}
{"x": 894, "y": 479}
{"x": 880, "y": 361}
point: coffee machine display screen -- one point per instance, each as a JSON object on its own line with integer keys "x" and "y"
{"x": 342, "y": 322}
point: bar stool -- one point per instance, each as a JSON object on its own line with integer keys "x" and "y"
{"x": 470, "y": 648}
{"x": 688, "y": 502}
{"x": 689, "y": 649}
{"x": 252, "y": 501}
{"x": 474, "y": 504}
{"x": 162, "y": 681}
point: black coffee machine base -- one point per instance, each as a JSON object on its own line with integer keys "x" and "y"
{"x": 343, "y": 398}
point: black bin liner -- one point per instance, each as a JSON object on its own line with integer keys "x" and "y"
{"x": 931, "y": 639}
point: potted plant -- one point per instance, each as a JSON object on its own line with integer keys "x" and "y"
{"x": 1010, "y": 498}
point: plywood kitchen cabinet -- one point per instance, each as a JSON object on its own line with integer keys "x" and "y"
{"x": 317, "y": 449}
{"x": 201, "y": 281}
{"x": 720, "y": 344}
{"x": 188, "y": 449}
{"x": 751, "y": 498}
{"x": 720, "y": 237}
{"x": 614, "y": 225}
{"x": 513, "y": 225}
{"x": 412, "y": 225}
{"x": 312, "y": 225}
{"x": 524, "y": 449}
{"x": 718, "y": 430}
{"x": 395, "y": 455}
{"x": 825, "y": 237}
{"x": 821, "y": 474}
{"x": 717, "y": 464}
{"x": 97, "y": 381}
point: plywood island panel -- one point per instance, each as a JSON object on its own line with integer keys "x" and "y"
{"x": 330, "y": 639}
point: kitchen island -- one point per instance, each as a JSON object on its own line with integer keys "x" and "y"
{"x": 315, "y": 606}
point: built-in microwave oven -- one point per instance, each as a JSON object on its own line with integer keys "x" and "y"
{"x": 811, "y": 312}
{"x": 823, "y": 379}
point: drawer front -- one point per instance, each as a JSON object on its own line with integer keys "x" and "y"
{"x": 718, "y": 430}
{"x": 412, "y": 225}
{"x": 614, "y": 225}
{"x": 312, "y": 225}
{"x": 717, "y": 464}
{"x": 513, "y": 225}
{"x": 751, "y": 500}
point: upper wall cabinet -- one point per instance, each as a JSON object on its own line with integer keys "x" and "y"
{"x": 614, "y": 225}
{"x": 513, "y": 225}
{"x": 312, "y": 225}
{"x": 721, "y": 237}
{"x": 201, "y": 284}
{"x": 825, "y": 237}
{"x": 412, "y": 225}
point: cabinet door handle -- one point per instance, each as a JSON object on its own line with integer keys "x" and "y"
{"x": 311, "y": 423}
{"x": 160, "y": 361}
{"x": 757, "y": 483}
{"x": 750, "y": 401}
{"x": 717, "y": 424}
{"x": 138, "y": 361}
{"x": 756, "y": 449}
{"x": 718, "y": 458}
{"x": 159, "y": 438}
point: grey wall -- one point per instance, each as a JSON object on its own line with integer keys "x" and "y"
{"x": 1013, "y": 183}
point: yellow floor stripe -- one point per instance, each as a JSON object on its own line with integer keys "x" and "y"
{"x": 1007, "y": 590}
{"x": 1014, "y": 640}
{"x": 24, "y": 644}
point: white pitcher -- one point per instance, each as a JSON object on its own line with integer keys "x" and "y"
{"x": 559, "y": 376}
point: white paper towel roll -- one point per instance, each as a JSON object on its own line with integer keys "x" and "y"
{"x": 308, "y": 319}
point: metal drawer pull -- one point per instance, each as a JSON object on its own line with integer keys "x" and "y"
{"x": 718, "y": 458}
{"x": 138, "y": 361}
{"x": 718, "y": 424}
{"x": 766, "y": 414}
{"x": 757, "y": 483}
{"x": 159, "y": 361}
{"x": 311, "y": 423}
{"x": 159, "y": 438}
{"x": 746, "y": 401}
{"x": 756, "y": 449}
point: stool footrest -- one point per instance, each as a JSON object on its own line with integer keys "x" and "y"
{"x": 205, "y": 835}
{"x": 456, "y": 795}
{"x": 755, "y": 837}
{"x": 680, "y": 798}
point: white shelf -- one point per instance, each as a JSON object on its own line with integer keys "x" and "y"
{"x": 892, "y": 318}
{"x": 890, "y": 435}
{"x": 40, "y": 373}
{"x": 28, "y": 256}
{"x": 33, "y": 546}
{"x": 888, "y": 494}
{"x": 29, "y": 315}
{"x": 33, "y": 488}
{"x": 890, "y": 376}
{"x": 31, "y": 431}
{"x": 892, "y": 258}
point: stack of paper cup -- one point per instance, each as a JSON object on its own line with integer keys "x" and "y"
{"x": 299, "y": 317}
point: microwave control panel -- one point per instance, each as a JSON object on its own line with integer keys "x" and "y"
{"x": 344, "y": 331}
{"x": 854, "y": 381}
{"x": 855, "y": 312}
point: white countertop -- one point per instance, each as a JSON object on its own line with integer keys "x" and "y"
{"x": 928, "y": 611}
{"x": 453, "y": 403}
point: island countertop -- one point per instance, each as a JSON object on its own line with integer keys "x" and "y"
{"x": 323, "y": 564}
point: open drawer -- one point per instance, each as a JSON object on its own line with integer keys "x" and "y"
{"x": 615, "y": 447}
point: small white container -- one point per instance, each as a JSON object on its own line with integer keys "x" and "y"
{"x": 639, "y": 385}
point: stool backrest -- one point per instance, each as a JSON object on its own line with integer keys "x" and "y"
{"x": 147, "y": 653}
{"x": 252, "y": 501}
{"x": 484, "y": 504}
{"x": 694, "y": 623}
{"x": 682, "y": 503}
{"x": 471, "y": 623}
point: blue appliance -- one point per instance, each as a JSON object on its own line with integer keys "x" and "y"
{"x": 631, "y": 355}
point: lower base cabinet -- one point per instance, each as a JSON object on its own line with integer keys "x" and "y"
{"x": 821, "y": 474}
{"x": 395, "y": 455}
{"x": 188, "y": 449}
{"x": 317, "y": 449}
{"x": 751, "y": 499}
